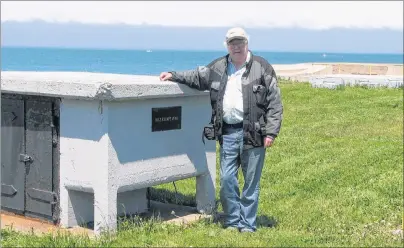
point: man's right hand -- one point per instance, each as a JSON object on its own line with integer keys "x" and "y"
{"x": 164, "y": 76}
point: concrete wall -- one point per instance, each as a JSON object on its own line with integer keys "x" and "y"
{"x": 301, "y": 72}
{"x": 172, "y": 154}
{"x": 108, "y": 148}
{"x": 334, "y": 81}
{"x": 108, "y": 152}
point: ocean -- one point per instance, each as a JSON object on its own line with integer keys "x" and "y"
{"x": 153, "y": 62}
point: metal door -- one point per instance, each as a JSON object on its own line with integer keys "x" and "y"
{"x": 40, "y": 197}
{"x": 12, "y": 145}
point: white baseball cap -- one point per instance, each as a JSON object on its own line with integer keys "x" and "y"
{"x": 236, "y": 33}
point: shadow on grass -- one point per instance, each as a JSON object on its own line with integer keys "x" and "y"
{"x": 154, "y": 214}
{"x": 262, "y": 220}
{"x": 167, "y": 196}
{"x": 265, "y": 221}
{"x": 186, "y": 204}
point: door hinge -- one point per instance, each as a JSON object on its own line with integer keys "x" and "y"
{"x": 54, "y": 138}
{"x": 26, "y": 158}
{"x": 8, "y": 190}
{"x": 54, "y": 133}
{"x": 43, "y": 195}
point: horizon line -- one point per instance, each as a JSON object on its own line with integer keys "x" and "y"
{"x": 191, "y": 50}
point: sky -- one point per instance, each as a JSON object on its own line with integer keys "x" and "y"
{"x": 297, "y": 26}
{"x": 310, "y": 15}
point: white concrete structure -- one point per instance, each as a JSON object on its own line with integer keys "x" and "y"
{"x": 298, "y": 69}
{"x": 109, "y": 153}
{"x": 334, "y": 81}
{"x": 303, "y": 72}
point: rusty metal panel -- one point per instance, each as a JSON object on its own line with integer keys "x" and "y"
{"x": 12, "y": 145}
{"x": 40, "y": 197}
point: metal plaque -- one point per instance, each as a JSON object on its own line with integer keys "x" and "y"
{"x": 167, "y": 118}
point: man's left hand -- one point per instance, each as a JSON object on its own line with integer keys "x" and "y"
{"x": 268, "y": 141}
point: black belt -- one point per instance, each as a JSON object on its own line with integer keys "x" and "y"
{"x": 237, "y": 125}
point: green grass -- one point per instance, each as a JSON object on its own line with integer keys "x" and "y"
{"x": 333, "y": 178}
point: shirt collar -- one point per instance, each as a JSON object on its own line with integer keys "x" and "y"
{"x": 247, "y": 60}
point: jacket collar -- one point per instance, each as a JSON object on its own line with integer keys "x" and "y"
{"x": 249, "y": 60}
{"x": 246, "y": 63}
{"x": 225, "y": 61}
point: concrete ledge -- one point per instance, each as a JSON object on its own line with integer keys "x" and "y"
{"x": 334, "y": 81}
{"x": 91, "y": 86}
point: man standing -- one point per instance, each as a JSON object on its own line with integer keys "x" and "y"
{"x": 247, "y": 114}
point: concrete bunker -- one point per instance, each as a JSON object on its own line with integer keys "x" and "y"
{"x": 335, "y": 81}
{"x": 83, "y": 147}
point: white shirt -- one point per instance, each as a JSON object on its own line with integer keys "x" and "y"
{"x": 233, "y": 97}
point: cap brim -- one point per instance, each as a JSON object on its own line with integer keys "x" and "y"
{"x": 236, "y": 38}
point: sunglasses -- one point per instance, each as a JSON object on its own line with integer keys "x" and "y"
{"x": 237, "y": 43}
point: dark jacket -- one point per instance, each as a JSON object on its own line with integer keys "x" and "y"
{"x": 263, "y": 110}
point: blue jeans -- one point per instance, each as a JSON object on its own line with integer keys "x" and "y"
{"x": 239, "y": 211}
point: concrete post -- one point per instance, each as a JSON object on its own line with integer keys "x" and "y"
{"x": 105, "y": 209}
{"x": 206, "y": 183}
